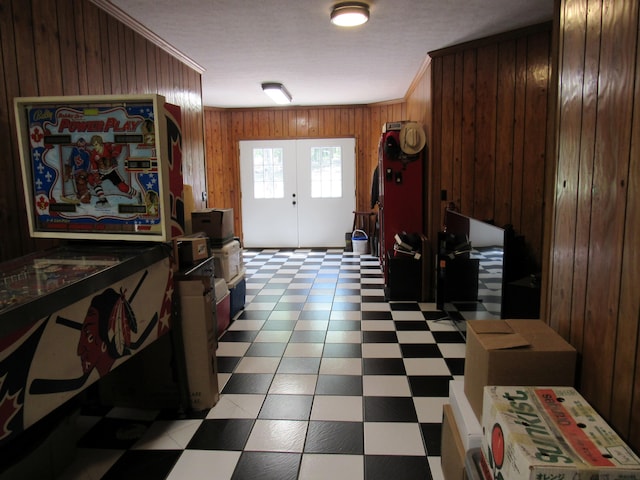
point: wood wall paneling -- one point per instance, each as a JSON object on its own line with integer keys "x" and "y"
{"x": 72, "y": 47}
{"x": 594, "y": 239}
{"x": 225, "y": 128}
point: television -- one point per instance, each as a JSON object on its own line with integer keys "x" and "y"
{"x": 471, "y": 268}
{"x": 101, "y": 167}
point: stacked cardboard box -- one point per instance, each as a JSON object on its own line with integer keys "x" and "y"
{"x": 226, "y": 249}
{"x": 550, "y": 432}
{"x": 500, "y": 352}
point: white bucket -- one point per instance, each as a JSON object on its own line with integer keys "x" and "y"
{"x": 360, "y": 242}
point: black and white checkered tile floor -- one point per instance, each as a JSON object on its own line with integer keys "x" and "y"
{"x": 320, "y": 378}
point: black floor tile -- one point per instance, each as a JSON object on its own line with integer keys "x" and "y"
{"x": 238, "y": 336}
{"x": 342, "y": 350}
{"x": 379, "y": 337}
{"x": 335, "y": 437}
{"x": 389, "y": 409}
{"x": 254, "y": 315}
{"x": 248, "y": 383}
{"x": 456, "y": 366}
{"x": 339, "y": 385}
{"x": 405, "y": 306}
{"x": 373, "y": 315}
{"x": 411, "y": 325}
{"x": 267, "y": 466}
{"x": 383, "y": 366}
{"x": 114, "y": 433}
{"x": 448, "y": 337}
{"x": 307, "y": 336}
{"x": 227, "y": 364}
{"x": 429, "y": 386}
{"x": 420, "y": 350}
{"x": 266, "y": 349}
{"x": 431, "y": 432}
{"x": 222, "y": 434}
{"x": 396, "y": 467}
{"x": 345, "y": 306}
{"x": 143, "y": 465}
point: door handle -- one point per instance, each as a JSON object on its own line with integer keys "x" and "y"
{"x": 293, "y": 203}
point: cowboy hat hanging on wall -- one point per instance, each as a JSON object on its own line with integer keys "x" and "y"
{"x": 406, "y": 144}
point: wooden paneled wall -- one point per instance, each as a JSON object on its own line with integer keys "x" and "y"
{"x": 225, "y": 128}
{"x": 489, "y": 132}
{"x": 72, "y": 47}
{"x": 594, "y": 255}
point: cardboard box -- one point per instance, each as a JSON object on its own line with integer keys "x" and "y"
{"x": 217, "y": 223}
{"x": 192, "y": 249}
{"x": 464, "y": 416}
{"x": 198, "y": 328}
{"x": 552, "y": 433}
{"x": 514, "y": 352}
{"x": 452, "y": 454}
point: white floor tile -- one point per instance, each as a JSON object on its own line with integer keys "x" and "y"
{"x": 257, "y": 365}
{"x": 385, "y": 386}
{"x": 237, "y": 406}
{"x": 273, "y": 336}
{"x": 426, "y": 366}
{"x": 168, "y": 435}
{"x": 209, "y": 464}
{"x": 341, "y": 366}
{"x": 429, "y": 409}
{"x": 385, "y": 438}
{"x": 336, "y": 336}
{"x": 381, "y": 350}
{"x": 304, "y": 350}
{"x": 277, "y": 436}
{"x": 293, "y": 384}
{"x": 337, "y": 408}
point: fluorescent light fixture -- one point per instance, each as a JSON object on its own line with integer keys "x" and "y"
{"x": 277, "y": 92}
{"x": 350, "y": 14}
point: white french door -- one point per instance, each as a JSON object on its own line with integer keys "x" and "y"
{"x": 297, "y": 193}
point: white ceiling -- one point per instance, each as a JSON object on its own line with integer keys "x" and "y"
{"x": 241, "y": 43}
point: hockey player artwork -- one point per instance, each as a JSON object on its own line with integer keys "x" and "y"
{"x": 97, "y": 168}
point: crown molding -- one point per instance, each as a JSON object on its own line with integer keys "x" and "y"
{"x": 140, "y": 29}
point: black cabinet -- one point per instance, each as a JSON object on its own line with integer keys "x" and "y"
{"x": 404, "y": 277}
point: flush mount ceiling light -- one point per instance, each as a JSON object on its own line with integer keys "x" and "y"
{"x": 277, "y": 92}
{"x": 350, "y": 14}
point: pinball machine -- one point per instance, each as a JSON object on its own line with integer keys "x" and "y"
{"x": 103, "y": 175}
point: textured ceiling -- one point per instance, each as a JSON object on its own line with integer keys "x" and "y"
{"x": 241, "y": 43}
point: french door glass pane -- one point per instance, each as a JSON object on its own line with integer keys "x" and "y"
{"x": 268, "y": 173}
{"x": 326, "y": 172}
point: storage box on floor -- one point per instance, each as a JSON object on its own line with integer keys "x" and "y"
{"x": 228, "y": 260}
{"x": 216, "y": 223}
{"x": 238, "y": 293}
{"x": 223, "y": 305}
{"x": 514, "y": 352}
{"x": 461, "y": 433}
{"x": 550, "y": 433}
{"x": 198, "y": 328}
